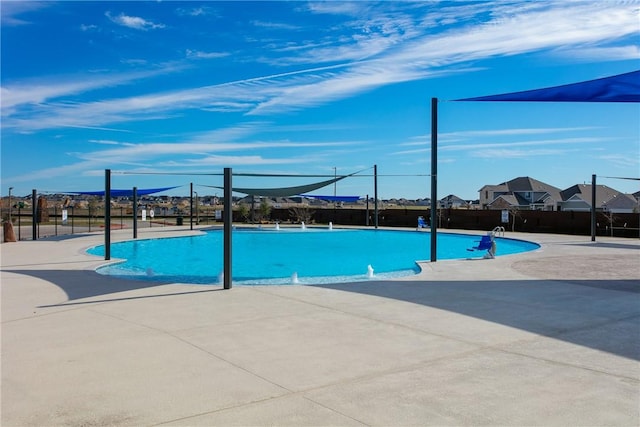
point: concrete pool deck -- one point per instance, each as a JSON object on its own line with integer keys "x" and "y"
{"x": 550, "y": 337}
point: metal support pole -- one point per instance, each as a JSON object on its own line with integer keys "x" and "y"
{"x": 367, "y": 212}
{"x": 55, "y": 219}
{"x": 197, "y": 209}
{"x": 19, "y": 218}
{"x": 434, "y": 177}
{"x": 191, "y": 206}
{"x": 228, "y": 227}
{"x": 135, "y": 212}
{"x": 375, "y": 195}
{"x": 593, "y": 208}
{"x": 10, "y": 188}
{"x": 34, "y": 215}
{"x": 107, "y": 214}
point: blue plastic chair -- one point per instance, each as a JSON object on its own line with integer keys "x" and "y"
{"x": 483, "y": 245}
{"x": 421, "y": 222}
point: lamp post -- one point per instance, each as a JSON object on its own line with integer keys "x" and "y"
{"x": 10, "y": 188}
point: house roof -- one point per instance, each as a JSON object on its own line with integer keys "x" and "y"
{"x": 500, "y": 187}
{"x": 525, "y": 183}
{"x": 622, "y": 201}
{"x": 508, "y": 198}
{"x": 452, "y": 198}
{"x": 583, "y": 191}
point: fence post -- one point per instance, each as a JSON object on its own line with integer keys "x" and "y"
{"x": 107, "y": 214}
{"x": 228, "y": 227}
{"x": 135, "y": 212}
{"x": 34, "y": 215}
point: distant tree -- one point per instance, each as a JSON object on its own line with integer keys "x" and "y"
{"x": 264, "y": 210}
{"x": 609, "y": 219}
{"x": 243, "y": 211}
{"x": 301, "y": 214}
{"x": 514, "y": 213}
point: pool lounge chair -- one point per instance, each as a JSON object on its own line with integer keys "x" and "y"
{"x": 422, "y": 223}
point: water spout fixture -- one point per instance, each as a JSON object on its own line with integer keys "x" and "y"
{"x": 277, "y": 226}
{"x": 294, "y": 278}
{"x": 304, "y": 227}
{"x": 330, "y": 225}
{"x": 369, "y": 272}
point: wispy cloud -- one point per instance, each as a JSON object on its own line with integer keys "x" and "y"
{"x": 205, "y": 55}
{"x": 479, "y": 149}
{"x": 512, "y": 154}
{"x": 595, "y": 54}
{"x": 32, "y": 94}
{"x": 458, "y": 136}
{"x": 217, "y": 160}
{"x": 11, "y": 11}
{"x": 88, "y": 27}
{"x": 196, "y": 11}
{"x": 542, "y": 27}
{"x": 395, "y": 49}
{"x": 135, "y": 22}
{"x": 620, "y": 160}
{"x": 193, "y": 153}
{"x": 275, "y": 25}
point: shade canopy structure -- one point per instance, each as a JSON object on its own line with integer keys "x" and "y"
{"x": 345, "y": 199}
{"x": 124, "y": 193}
{"x": 284, "y": 191}
{"x": 619, "y": 88}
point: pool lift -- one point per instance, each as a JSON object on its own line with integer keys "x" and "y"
{"x": 488, "y": 243}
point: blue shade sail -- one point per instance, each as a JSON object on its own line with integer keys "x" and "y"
{"x": 346, "y": 199}
{"x": 619, "y": 88}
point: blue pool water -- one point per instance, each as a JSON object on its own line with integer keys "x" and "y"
{"x": 272, "y": 256}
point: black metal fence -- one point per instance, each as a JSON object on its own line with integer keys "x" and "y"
{"x": 57, "y": 221}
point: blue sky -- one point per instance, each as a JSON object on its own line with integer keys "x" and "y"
{"x": 312, "y": 88}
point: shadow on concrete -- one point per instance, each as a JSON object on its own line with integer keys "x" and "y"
{"x": 81, "y": 284}
{"x": 61, "y": 237}
{"x": 607, "y": 245}
{"x": 604, "y": 316}
{"x": 599, "y": 314}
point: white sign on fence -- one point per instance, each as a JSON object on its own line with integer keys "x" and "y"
{"x": 144, "y": 214}
{"x": 64, "y": 216}
{"x": 505, "y": 216}
{"x": 218, "y": 215}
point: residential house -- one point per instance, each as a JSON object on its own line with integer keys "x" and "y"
{"x": 523, "y": 193}
{"x": 578, "y": 198}
{"x": 454, "y": 202}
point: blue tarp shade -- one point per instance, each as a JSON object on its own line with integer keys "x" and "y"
{"x": 124, "y": 193}
{"x": 346, "y": 199}
{"x": 619, "y": 88}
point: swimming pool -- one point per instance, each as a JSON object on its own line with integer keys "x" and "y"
{"x": 269, "y": 256}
